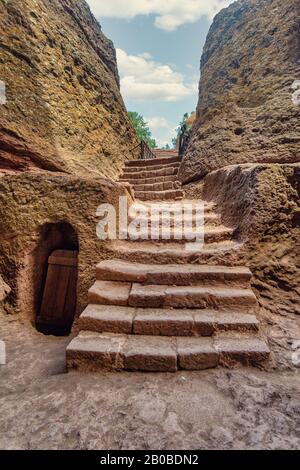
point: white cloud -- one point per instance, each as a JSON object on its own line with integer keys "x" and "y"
{"x": 146, "y": 55}
{"x": 157, "y": 122}
{"x": 169, "y": 15}
{"x": 162, "y": 130}
{"x": 143, "y": 79}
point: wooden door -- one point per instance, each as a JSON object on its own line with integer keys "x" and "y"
{"x": 59, "y": 298}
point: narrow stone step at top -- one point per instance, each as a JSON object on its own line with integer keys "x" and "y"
{"x": 143, "y": 174}
{"x": 183, "y": 275}
{"x": 211, "y": 235}
{"x": 109, "y": 352}
{"x": 224, "y": 253}
{"x": 137, "y": 169}
{"x": 164, "y": 296}
{"x": 164, "y": 322}
{"x": 162, "y": 153}
{"x": 163, "y": 179}
{"x": 151, "y": 162}
{"x": 159, "y": 195}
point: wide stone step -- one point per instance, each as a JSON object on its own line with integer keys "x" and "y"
{"x": 151, "y": 252}
{"x": 159, "y": 195}
{"x": 184, "y": 204}
{"x": 186, "y": 274}
{"x": 110, "y": 352}
{"x": 164, "y": 322}
{"x": 211, "y": 235}
{"x": 210, "y": 218}
{"x": 164, "y": 296}
{"x": 151, "y": 162}
{"x": 137, "y": 169}
{"x": 160, "y": 296}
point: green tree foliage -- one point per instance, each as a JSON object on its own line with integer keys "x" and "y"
{"x": 174, "y": 142}
{"x": 142, "y": 129}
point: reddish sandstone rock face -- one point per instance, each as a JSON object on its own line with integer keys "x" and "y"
{"x": 263, "y": 203}
{"x": 4, "y": 289}
{"x": 40, "y": 213}
{"x": 64, "y": 110}
{"x": 245, "y": 112}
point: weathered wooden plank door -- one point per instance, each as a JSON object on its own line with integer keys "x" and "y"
{"x": 59, "y": 298}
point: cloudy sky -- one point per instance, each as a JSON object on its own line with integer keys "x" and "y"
{"x": 159, "y": 45}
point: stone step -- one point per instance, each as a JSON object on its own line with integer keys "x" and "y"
{"x": 210, "y": 218}
{"x": 151, "y": 162}
{"x": 164, "y": 322}
{"x": 163, "y": 179}
{"x": 143, "y": 174}
{"x": 159, "y": 195}
{"x": 109, "y": 293}
{"x": 211, "y": 235}
{"x": 164, "y": 296}
{"x": 160, "y": 153}
{"x": 224, "y": 253}
{"x": 245, "y": 350}
{"x": 183, "y": 204}
{"x": 137, "y": 169}
{"x": 110, "y": 352}
{"x": 183, "y": 275}
{"x": 164, "y": 186}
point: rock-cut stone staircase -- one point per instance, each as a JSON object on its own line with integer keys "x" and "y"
{"x": 156, "y": 307}
{"x": 154, "y": 179}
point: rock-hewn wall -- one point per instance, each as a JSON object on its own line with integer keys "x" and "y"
{"x": 40, "y": 213}
{"x": 262, "y": 202}
{"x": 245, "y": 112}
{"x": 63, "y": 126}
{"x": 64, "y": 110}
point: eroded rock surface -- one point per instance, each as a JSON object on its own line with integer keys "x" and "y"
{"x": 245, "y": 112}
{"x": 63, "y": 110}
{"x": 4, "y": 289}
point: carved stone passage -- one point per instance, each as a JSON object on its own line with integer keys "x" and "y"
{"x": 157, "y": 307}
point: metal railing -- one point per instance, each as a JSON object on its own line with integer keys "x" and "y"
{"x": 143, "y": 152}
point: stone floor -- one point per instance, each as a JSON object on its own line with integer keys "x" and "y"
{"x": 41, "y": 407}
